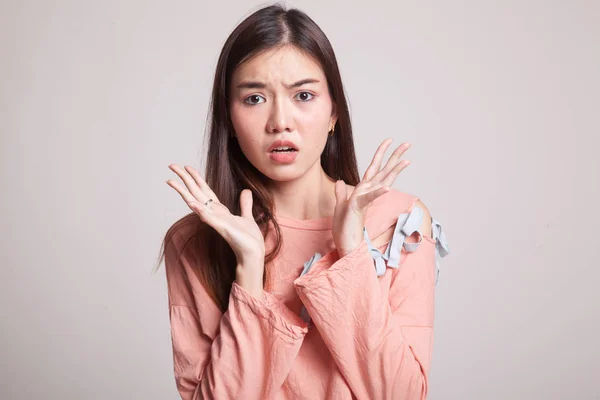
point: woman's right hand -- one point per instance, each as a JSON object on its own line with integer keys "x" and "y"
{"x": 241, "y": 232}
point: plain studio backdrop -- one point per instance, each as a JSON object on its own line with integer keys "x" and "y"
{"x": 501, "y": 101}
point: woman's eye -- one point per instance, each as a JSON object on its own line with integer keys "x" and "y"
{"x": 303, "y": 98}
{"x": 251, "y": 99}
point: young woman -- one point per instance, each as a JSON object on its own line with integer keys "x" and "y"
{"x": 293, "y": 278}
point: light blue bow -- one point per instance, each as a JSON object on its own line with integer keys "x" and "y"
{"x": 441, "y": 245}
{"x": 316, "y": 257}
{"x": 407, "y": 225}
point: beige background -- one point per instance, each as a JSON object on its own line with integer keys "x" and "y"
{"x": 500, "y": 101}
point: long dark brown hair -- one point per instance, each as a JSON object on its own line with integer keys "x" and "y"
{"x": 228, "y": 171}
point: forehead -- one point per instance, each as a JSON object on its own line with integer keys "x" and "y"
{"x": 286, "y": 64}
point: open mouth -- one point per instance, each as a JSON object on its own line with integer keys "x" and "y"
{"x": 283, "y": 155}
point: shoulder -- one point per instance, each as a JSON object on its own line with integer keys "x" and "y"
{"x": 396, "y": 202}
{"x": 180, "y": 262}
{"x": 185, "y": 280}
{"x": 179, "y": 234}
{"x": 427, "y": 221}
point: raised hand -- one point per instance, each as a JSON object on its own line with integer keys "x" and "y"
{"x": 241, "y": 232}
{"x": 350, "y": 211}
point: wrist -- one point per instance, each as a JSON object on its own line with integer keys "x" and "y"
{"x": 251, "y": 284}
{"x": 253, "y": 291}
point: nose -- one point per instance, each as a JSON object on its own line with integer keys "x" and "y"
{"x": 281, "y": 118}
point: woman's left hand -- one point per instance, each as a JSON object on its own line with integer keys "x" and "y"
{"x": 350, "y": 211}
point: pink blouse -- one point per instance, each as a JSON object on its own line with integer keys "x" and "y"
{"x": 357, "y": 327}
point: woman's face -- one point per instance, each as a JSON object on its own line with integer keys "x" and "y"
{"x": 281, "y": 95}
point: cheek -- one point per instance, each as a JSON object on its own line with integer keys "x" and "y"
{"x": 237, "y": 116}
{"x": 244, "y": 122}
{"x": 247, "y": 125}
{"x": 314, "y": 124}
{"x": 313, "y": 116}
{"x": 320, "y": 114}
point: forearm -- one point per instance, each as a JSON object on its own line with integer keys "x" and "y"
{"x": 364, "y": 333}
{"x": 250, "y": 280}
{"x": 239, "y": 362}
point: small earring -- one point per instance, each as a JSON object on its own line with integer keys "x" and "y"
{"x": 332, "y": 130}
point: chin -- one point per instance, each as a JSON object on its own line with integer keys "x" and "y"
{"x": 282, "y": 176}
{"x": 279, "y": 174}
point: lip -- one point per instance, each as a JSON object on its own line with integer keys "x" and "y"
{"x": 282, "y": 143}
{"x": 283, "y": 157}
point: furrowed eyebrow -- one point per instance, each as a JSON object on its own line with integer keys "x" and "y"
{"x": 260, "y": 85}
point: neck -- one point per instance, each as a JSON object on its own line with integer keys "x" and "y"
{"x": 310, "y": 196}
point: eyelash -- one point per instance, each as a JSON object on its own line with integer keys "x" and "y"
{"x": 255, "y": 104}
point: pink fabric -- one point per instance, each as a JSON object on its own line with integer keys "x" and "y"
{"x": 372, "y": 336}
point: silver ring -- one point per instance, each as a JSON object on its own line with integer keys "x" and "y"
{"x": 206, "y": 204}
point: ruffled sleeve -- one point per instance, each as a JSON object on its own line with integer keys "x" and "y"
{"x": 407, "y": 225}
{"x": 244, "y": 353}
{"x": 379, "y": 329}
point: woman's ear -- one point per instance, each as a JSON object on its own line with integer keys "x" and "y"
{"x": 333, "y": 115}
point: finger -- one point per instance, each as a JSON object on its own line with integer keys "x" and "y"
{"x": 391, "y": 163}
{"x": 204, "y": 212}
{"x": 193, "y": 188}
{"x": 246, "y": 204}
{"x": 389, "y": 179}
{"x": 202, "y": 183}
{"x": 365, "y": 199}
{"x": 341, "y": 192}
{"x": 376, "y": 162}
{"x": 183, "y": 191}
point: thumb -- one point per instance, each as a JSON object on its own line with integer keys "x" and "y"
{"x": 340, "y": 192}
{"x": 246, "y": 203}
